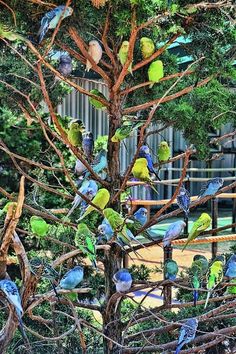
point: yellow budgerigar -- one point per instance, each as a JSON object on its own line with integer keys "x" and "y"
{"x": 200, "y": 225}
{"x": 214, "y": 275}
{"x": 147, "y": 47}
{"x": 141, "y": 172}
{"x": 100, "y": 200}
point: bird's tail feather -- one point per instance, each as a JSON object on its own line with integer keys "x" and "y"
{"x": 207, "y": 299}
{"x": 153, "y": 188}
{"x": 195, "y": 297}
{"x": 24, "y": 336}
{"x": 55, "y": 290}
{"x": 178, "y": 349}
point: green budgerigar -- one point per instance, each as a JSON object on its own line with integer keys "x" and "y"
{"x": 141, "y": 172}
{"x": 214, "y": 275}
{"x": 85, "y": 240}
{"x": 101, "y": 199}
{"x": 155, "y": 72}
{"x": 231, "y": 289}
{"x": 126, "y": 129}
{"x": 197, "y": 272}
{"x": 38, "y": 226}
{"x": 123, "y": 54}
{"x": 7, "y": 33}
{"x": 96, "y": 103}
{"x": 163, "y": 151}
{"x": 200, "y": 225}
{"x": 75, "y": 133}
{"x": 147, "y": 47}
{"x": 64, "y": 123}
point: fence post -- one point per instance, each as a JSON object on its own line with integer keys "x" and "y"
{"x": 165, "y": 186}
{"x": 234, "y": 210}
{"x": 214, "y": 215}
{"x": 167, "y": 288}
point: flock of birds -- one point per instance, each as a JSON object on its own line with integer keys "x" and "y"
{"x": 114, "y": 226}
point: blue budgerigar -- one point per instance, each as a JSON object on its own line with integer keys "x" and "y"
{"x": 123, "y": 280}
{"x": 88, "y": 145}
{"x": 174, "y": 230}
{"x": 72, "y": 278}
{"x": 183, "y": 200}
{"x": 105, "y": 231}
{"x": 100, "y": 163}
{"x": 230, "y": 268}
{"x": 141, "y": 215}
{"x": 65, "y": 65}
{"x": 51, "y": 19}
{"x": 145, "y": 152}
{"x": 187, "y": 333}
{"x": 89, "y": 189}
{"x": 211, "y": 187}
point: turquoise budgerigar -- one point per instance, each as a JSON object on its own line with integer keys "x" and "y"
{"x": 51, "y": 19}
{"x": 163, "y": 152}
{"x": 75, "y": 133}
{"x": 85, "y": 240}
{"x": 197, "y": 272}
{"x": 155, "y": 72}
{"x": 72, "y": 278}
{"x": 214, "y": 275}
{"x": 126, "y": 129}
{"x": 200, "y": 225}
{"x": 123, "y": 54}
{"x": 100, "y": 200}
{"x": 141, "y": 172}
{"x": 99, "y": 164}
{"x": 187, "y": 333}
{"x": 147, "y": 47}
{"x": 96, "y": 103}
{"x": 170, "y": 269}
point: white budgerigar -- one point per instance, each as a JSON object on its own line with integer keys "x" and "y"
{"x": 95, "y": 51}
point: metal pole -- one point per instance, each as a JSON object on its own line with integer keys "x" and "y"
{"x": 167, "y": 288}
{"x": 165, "y": 191}
{"x": 187, "y": 187}
{"x": 234, "y": 211}
{"x": 214, "y": 214}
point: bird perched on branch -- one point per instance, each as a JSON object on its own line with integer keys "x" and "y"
{"x": 100, "y": 200}
{"x": 197, "y": 272}
{"x": 74, "y": 135}
{"x": 88, "y": 189}
{"x": 155, "y": 72}
{"x": 65, "y": 65}
{"x": 72, "y": 278}
{"x": 88, "y": 145}
{"x": 214, "y": 275}
{"x": 174, "y": 230}
{"x": 141, "y": 215}
{"x": 38, "y": 226}
{"x": 163, "y": 152}
{"x": 80, "y": 169}
{"x": 147, "y": 47}
{"x": 129, "y": 125}
{"x": 96, "y": 103}
{"x": 105, "y": 230}
{"x": 9, "y": 34}
{"x": 170, "y": 269}
{"x": 145, "y": 152}
{"x": 141, "y": 172}
{"x": 95, "y": 51}
{"x": 99, "y": 164}
{"x": 11, "y": 292}
{"x": 123, "y": 280}
{"x": 211, "y": 187}
{"x": 123, "y": 55}
{"x": 85, "y": 240}
{"x": 200, "y": 225}
{"x": 51, "y": 19}
{"x": 230, "y": 268}
{"x": 187, "y": 333}
{"x": 183, "y": 200}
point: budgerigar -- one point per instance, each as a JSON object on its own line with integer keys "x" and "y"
{"x": 147, "y": 47}
{"x": 123, "y": 280}
{"x": 76, "y": 128}
{"x": 200, "y": 225}
{"x": 141, "y": 215}
{"x": 145, "y": 152}
{"x": 38, "y": 225}
{"x": 65, "y": 65}
{"x": 80, "y": 169}
{"x": 88, "y": 145}
{"x": 187, "y": 333}
{"x": 123, "y": 54}
{"x": 51, "y": 19}
{"x": 141, "y": 172}
{"x": 126, "y": 129}
{"x": 9, "y": 34}
{"x": 99, "y": 164}
{"x": 72, "y": 278}
{"x": 134, "y": 224}
{"x": 100, "y": 200}
{"x": 170, "y": 269}
{"x": 183, "y": 200}
{"x": 214, "y": 276}
{"x": 230, "y": 268}
{"x": 231, "y": 289}
{"x": 155, "y": 72}
{"x": 105, "y": 231}
{"x": 96, "y": 103}
{"x": 95, "y": 51}
{"x": 85, "y": 240}
{"x": 11, "y": 292}
{"x": 174, "y": 230}
{"x": 197, "y": 272}
{"x": 211, "y": 187}
{"x": 89, "y": 189}
{"x": 163, "y": 152}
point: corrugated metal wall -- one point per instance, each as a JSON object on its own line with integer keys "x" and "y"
{"x": 77, "y": 105}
